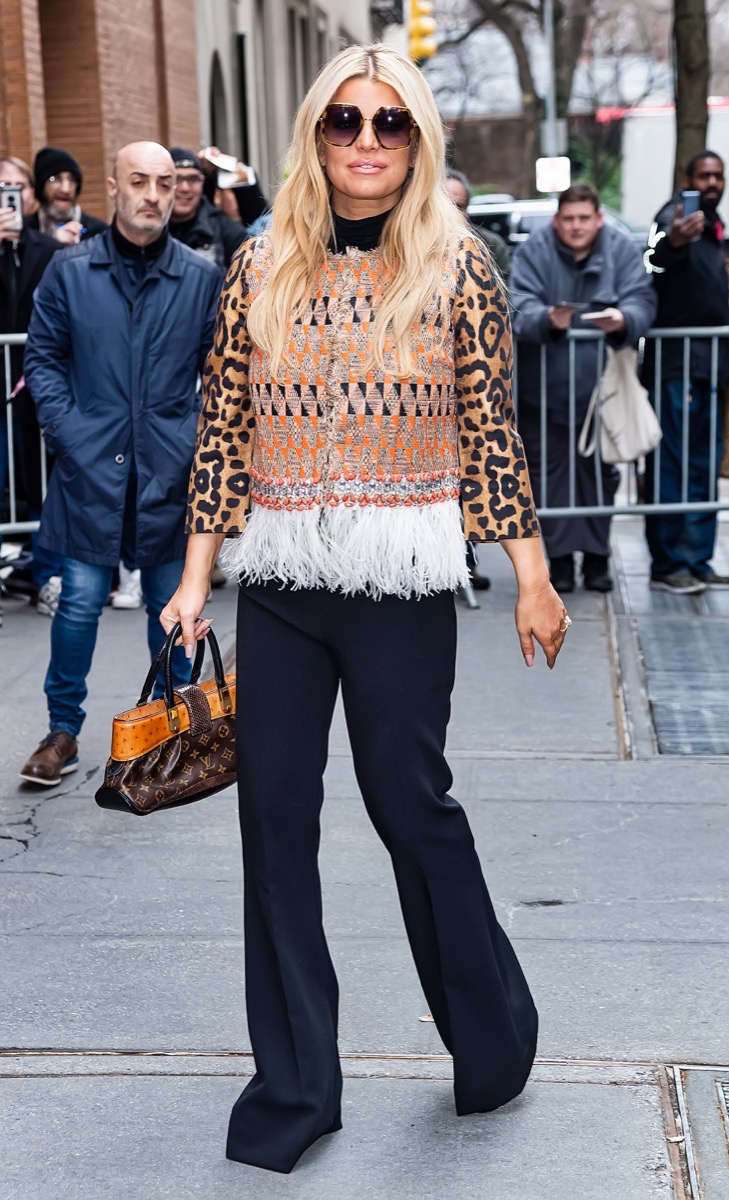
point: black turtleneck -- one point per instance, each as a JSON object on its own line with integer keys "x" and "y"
{"x": 131, "y": 250}
{"x": 364, "y": 234}
{"x": 137, "y": 259}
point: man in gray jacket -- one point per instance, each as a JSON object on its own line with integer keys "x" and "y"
{"x": 576, "y": 273}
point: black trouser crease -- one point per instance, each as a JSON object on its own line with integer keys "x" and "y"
{"x": 395, "y": 661}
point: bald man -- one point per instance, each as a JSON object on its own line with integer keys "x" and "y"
{"x": 120, "y": 332}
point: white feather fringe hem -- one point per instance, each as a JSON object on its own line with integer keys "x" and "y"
{"x": 404, "y": 551}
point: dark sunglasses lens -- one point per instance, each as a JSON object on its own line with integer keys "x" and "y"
{"x": 394, "y": 127}
{"x": 342, "y": 124}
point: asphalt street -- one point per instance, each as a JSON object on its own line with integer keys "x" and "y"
{"x": 598, "y": 797}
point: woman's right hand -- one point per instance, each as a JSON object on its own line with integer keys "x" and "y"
{"x": 189, "y": 600}
{"x": 186, "y": 606}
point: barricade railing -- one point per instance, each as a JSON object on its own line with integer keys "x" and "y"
{"x": 628, "y": 499}
{"x": 9, "y": 446}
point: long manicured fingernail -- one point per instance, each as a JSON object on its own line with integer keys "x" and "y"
{"x": 188, "y": 650}
{"x": 529, "y": 660}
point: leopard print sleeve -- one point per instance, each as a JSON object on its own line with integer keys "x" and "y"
{"x": 495, "y": 490}
{"x": 219, "y": 495}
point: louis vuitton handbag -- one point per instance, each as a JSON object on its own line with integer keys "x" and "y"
{"x": 174, "y": 750}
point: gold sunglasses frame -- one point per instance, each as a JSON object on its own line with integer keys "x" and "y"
{"x": 363, "y": 121}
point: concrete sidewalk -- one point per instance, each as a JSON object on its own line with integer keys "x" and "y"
{"x": 123, "y": 1027}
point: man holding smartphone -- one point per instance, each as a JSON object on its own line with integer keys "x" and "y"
{"x": 195, "y": 219}
{"x": 24, "y": 256}
{"x": 687, "y": 256}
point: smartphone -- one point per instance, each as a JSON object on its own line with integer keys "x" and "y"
{"x": 239, "y": 178}
{"x": 229, "y": 169}
{"x": 11, "y": 196}
{"x": 224, "y": 162}
{"x": 691, "y": 201}
{"x": 594, "y": 316}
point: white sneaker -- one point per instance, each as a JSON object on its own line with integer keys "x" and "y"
{"x": 129, "y": 592}
{"x": 48, "y": 595}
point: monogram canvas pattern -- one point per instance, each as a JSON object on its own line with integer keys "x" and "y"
{"x": 200, "y": 759}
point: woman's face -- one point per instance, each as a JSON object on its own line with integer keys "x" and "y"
{"x": 365, "y": 179}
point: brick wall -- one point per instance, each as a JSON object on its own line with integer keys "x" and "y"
{"x": 22, "y": 107}
{"x": 73, "y": 92}
{"x": 127, "y": 64}
{"x": 95, "y": 75}
{"x": 180, "y": 64}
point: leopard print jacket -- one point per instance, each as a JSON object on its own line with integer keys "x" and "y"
{"x": 332, "y": 434}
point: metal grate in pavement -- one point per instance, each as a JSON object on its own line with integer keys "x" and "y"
{"x": 723, "y": 1089}
{"x": 702, "y": 1095}
{"x": 687, "y": 668}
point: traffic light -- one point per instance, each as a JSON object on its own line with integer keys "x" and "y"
{"x": 421, "y": 28}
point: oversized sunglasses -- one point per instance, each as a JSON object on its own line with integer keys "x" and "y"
{"x": 340, "y": 124}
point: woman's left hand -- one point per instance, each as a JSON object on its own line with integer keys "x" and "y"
{"x": 542, "y": 617}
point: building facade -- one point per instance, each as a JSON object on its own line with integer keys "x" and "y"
{"x": 256, "y": 59}
{"x": 93, "y": 75}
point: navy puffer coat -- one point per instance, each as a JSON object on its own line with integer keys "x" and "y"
{"x": 114, "y": 375}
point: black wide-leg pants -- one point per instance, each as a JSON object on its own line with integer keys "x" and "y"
{"x": 395, "y": 662}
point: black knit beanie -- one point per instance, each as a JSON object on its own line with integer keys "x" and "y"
{"x": 186, "y": 158}
{"x": 51, "y": 161}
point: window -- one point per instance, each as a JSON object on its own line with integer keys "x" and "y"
{"x": 299, "y": 53}
{"x": 322, "y": 39}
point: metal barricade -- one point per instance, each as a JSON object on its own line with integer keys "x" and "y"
{"x": 628, "y": 499}
{"x": 8, "y": 447}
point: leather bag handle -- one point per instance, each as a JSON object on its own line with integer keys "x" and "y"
{"x": 163, "y": 658}
{"x": 159, "y": 659}
{"x": 197, "y": 667}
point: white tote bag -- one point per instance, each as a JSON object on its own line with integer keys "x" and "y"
{"x": 629, "y": 427}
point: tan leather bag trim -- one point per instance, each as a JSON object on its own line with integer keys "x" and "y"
{"x": 139, "y": 730}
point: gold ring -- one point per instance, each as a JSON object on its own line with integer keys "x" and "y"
{"x": 567, "y": 623}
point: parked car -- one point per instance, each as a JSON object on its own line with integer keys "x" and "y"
{"x": 516, "y": 220}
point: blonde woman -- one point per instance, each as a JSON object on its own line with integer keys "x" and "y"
{"x": 357, "y": 403}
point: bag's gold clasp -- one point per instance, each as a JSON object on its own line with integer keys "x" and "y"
{"x": 225, "y": 700}
{"x": 173, "y": 719}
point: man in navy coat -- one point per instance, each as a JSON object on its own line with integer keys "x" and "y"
{"x": 121, "y": 329}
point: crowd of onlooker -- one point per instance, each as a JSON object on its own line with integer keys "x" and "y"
{"x": 211, "y": 220}
{"x": 576, "y": 272}
{"x": 579, "y": 273}
{"x": 120, "y": 318}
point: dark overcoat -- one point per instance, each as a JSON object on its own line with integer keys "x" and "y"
{"x": 114, "y": 376}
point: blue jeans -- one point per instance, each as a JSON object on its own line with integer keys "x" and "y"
{"x": 683, "y": 541}
{"x": 73, "y": 634}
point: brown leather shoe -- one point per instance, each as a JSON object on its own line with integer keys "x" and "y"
{"x": 56, "y": 756}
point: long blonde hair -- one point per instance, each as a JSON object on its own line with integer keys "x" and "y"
{"x": 415, "y": 237}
